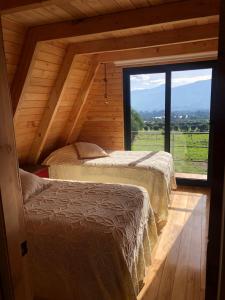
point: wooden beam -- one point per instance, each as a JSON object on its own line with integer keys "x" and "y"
{"x": 172, "y": 59}
{"x": 23, "y": 72}
{"x": 53, "y": 104}
{"x": 11, "y": 6}
{"x": 168, "y": 37}
{"x": 13, "y": 271}
{"x": 192, "y": 48}
{"x": 126, "y": 20}
{"x": 80, "y": 106}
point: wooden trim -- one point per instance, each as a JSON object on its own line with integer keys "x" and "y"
{"x": 23, "y": 72}
{"x": 54, "y": 102}
{"x": 167, "y": 60}
{"x": 13, "y": 269}
{"x": 210, "y": 46}
{"x": 154, "y": 39}
{"x": 79, "y": 109}
{"x": 218, "y": 163}
{"x": 141, "y": 17}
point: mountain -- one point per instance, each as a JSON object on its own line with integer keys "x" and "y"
{"x": 190, "y": 97}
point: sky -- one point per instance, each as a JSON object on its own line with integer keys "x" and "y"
{"x": 179, "y": 78}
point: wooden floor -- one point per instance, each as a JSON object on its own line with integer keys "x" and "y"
{"x": 178, "y": 269}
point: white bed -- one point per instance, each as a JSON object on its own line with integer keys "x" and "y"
{"x": 152, "y": 170}
{"x": 88, "y": 240}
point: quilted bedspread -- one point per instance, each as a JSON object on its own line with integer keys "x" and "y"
{"x": 89, "y": 241}
{"x": 152, "y": 170}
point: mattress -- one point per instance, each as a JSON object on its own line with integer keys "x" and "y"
{"x": 152, "y": 170}
{"x": 89, "y": 241}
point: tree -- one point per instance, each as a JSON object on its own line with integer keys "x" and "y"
{"x": 137, "y": 123}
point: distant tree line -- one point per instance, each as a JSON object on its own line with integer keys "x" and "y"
{"x": 182, "y": 125}
{"x": 180, "y": 121}
{"x": 192, "y": 115}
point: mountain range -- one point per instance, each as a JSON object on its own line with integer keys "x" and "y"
{"x": 190, "y": 97}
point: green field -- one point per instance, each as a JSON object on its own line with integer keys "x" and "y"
{"x": 190, "y": 150}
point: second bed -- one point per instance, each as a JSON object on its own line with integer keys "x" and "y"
{"x": 152, "y": 170}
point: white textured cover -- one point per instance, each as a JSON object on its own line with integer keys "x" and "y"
{"x": 151, "y": 170}
{"x": 89, "y": 241}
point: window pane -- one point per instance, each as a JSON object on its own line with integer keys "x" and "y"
{"x": 147, "y": 111}
{"x": 190, "y": 118}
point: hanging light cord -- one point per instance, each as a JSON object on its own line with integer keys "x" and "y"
{"x": 105, "y": 81}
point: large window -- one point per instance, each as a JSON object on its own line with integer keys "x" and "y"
{"x": 168, "y": 108}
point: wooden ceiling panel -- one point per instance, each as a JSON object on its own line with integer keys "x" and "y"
{"x": 61, "y": 10}
{"x": 13, "y": 35}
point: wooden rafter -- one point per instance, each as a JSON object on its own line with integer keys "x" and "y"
{"x": 53, "y": 104}
{"x": 175, "y": 36}
{"x": 202, "y": 47}
{"x": 23, "y": 72}
{"x": 80, "y": 106}
{"x": 126, "y": 20}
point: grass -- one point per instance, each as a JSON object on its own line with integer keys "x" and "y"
{"x": 190, "y": 150}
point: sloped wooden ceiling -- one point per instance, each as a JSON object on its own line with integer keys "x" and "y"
{"x": 57, "y": 71}
{"x": 33, "y": 13}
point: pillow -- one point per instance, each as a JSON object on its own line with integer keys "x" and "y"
{"x": 31, "y": 184}
{"x": 89, "y": 150}
{"x": 65, "y": 155}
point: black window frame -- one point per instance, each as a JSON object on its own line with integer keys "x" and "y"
{"x": 168, "y": 69}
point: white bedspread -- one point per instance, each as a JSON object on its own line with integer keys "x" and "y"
{"x": 151, "y": 170}
{"x": 89, "y": 241}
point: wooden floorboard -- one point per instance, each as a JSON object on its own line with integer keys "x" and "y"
{"x": 178, "y": 268}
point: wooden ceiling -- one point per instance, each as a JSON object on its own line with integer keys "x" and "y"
{"x": 33, "y": 13}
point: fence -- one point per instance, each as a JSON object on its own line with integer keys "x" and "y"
{"x": 189, "y": 149}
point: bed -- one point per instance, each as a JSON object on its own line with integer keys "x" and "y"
{"x": 87, "y": 240}
{"x": 152, "y": 170}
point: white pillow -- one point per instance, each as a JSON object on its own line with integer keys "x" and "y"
{"x": 64, "y": 155}
{"x": 31, "y": 184}
{"x": 89, "y": 150}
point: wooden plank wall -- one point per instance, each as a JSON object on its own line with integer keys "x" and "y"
{"x": 35, "y": 99}
{"x": 13, "y": 36}
{"x": 104, "y": 121}
{"x": 36, "y": 96}
{"x": 73, "y": 85}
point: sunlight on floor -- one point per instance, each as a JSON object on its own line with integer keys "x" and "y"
{"x": 178, "y": 269}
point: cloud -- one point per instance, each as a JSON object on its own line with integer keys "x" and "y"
{"x": 146, "y": 81}
{"x": 188, "y": 80}
{"x": 149, "y": 81}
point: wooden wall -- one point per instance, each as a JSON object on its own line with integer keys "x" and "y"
{"x": 104, "y": 121}
{"x": 13, "y": 36}
{"x": 73, "y": 85}
{"x": 35, "y": 98}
